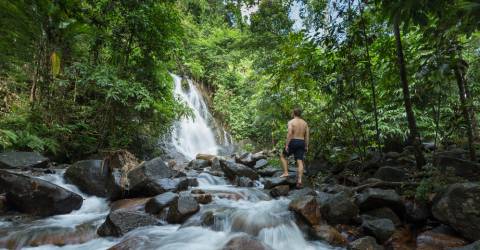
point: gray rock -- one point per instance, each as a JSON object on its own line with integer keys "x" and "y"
{"x": 232, "y": 170}
{"x": 180, "y": 210}
{"x": 120, "y": 222}
{"x": 269, "y": 183}
{"x": 243, "y": 181}
{"x": 268, "y": 171}
{"x": 143, "y": 180}
{"x": 37, "y": 197}
{"x": 381, "y": 229}
{"x": 384, "y": 213}
{"x": 281, "y": 190}
{"x": 260, "y": 164}
{"x": 159, "y": 202}
{"x": 339, "y": 209}
{"x": 459, "y": 167}
{"x": 459, "y": 207}
{"x": 198, "y": 164}
{"x": 391, "y": 174}
{"x": 416, "y": 212}
{"x": 365, "y": 243}
{"x": 20, "y": 160}
{"x": 246, "y": 159}
{"x": 294, "y": 194}
{"x": 93, "y": 178}
{"x": 373, "y": 198}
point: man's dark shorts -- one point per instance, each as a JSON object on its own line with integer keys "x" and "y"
{"x": 296, "y": 147}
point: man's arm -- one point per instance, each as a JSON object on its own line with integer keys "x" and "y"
{"x": 289, "y": 135}
{"x": 307, "y": 136}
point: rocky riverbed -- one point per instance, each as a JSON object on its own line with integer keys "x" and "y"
{"x": 213, "y": 202}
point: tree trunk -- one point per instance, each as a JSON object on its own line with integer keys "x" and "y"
{"x": 465, "y": 111}
{"x": 412, "y": 125}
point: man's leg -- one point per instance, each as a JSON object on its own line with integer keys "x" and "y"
{"x": 300, "y": 171}
{"x": 284, "y": 162}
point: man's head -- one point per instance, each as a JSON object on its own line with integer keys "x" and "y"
{"x": 297, "y": 112}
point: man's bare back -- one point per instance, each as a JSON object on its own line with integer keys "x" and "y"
{"x": 298, "y": 127}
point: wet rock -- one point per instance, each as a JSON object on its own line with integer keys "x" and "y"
{"x": 259, "y": 156}
{"x": 135, "y": 204}
{"x": 269, "y": 183}
{"x": 381, "y": 229}
{"x": 3, "y": 203}
{"x": 438, "y": 239}
{"x": 268, "y": 171}
{"x": 260, "y": 164}
{"x": 130, "y": 243}
{"x": 281, "y": 190}
{"x": 208, "y": 218}
{"x": 308, "y": 208}
{"x": 335, "y": 189}
{"x": 296, "y": 193}
{"x": 245, "y": 242}
{"x": 416, "y": 211}
{"x": 339, "y": 209}
{"x": 459, "y": 207}
{"x": 21, "y": 160}
{"x": 373, "y": 198}
{"x": 143, "y": 179}
{"x": 198, "y": 164}
{"x": 205, "y": 157}
{"x": 163, "y": 185}
{"x": 94, "y": 178}
{"x": 216, "y": 166}
{"x": 120, "y": 222}
{"x": 329, "y": 234}
{"x": 159, "y": 202}
{"x": 232, "y": 170}
{"x": 246, "y": 159}
{"x": 38, "y": 197}
{"x": 474, "y": 246}
{"x": 180, "y": 210}
{"x": 391, "y": 174}
{"x": 203, "y": 198}
{"x": 243, "y": 181}
{"x": 384, "y": 213}
{"x": 192, "y": 182}
{"x": 365, "y": 243}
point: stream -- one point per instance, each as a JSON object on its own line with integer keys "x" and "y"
{"x": 235, "y": 210}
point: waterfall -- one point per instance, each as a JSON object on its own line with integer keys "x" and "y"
{"x": 193, "y": 135}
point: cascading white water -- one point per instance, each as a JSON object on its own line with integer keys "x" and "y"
{"x": 193, "y": 135}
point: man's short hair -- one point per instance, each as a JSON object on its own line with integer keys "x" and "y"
{"x": 297, "y": 112}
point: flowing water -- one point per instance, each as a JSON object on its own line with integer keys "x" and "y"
{"x": 234, "y": 210}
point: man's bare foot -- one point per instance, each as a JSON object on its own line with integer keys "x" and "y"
{"x": 284, "y": 175}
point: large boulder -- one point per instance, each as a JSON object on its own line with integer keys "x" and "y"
{"x": 365, "y": 243}
{"x": 308, "y": 208}
{"x": 272, "y": 182}
{"x": 182, "y": 208}
{"x": 246, "y": 159}
{"x": 245, "y": 242}
{"x": 268, "y": 171}
{"x": 459, "y": 207}
{"x": 459, "y": 167}
{"x": 281, "y": 190}
{"x": 339, "y": 209}
{"x": 126, "y": 215}
{"x": 381, "y": 229}
{"x": 232, "y": 170}
{"x": 159, "y": 202}
{"x": 416, "y": 211}
{"x": 38, "y": 197}
{"x": 120, "y": 222}
{"x": 94, "y": 178}
{"x": 144, "y": 180}
{"x": 243, "y": 181}
{"x": 260, "y": 164}
{"x": 21, "y": 160}
{"x": 384, "y": 213}
{"x": 373, "y": 198}
{"x": 388, "y": 173}
{"x": 198, "y": 164}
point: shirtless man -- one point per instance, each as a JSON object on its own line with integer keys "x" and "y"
{"x": 296, "y": 144}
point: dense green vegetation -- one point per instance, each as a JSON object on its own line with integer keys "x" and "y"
{"x": 78, "y": 76}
